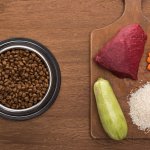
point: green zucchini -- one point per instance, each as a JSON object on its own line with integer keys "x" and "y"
{"x": 109, "y": 110}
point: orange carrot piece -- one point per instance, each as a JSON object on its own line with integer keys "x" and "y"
{"x": 148, "y": 67}
{"x": 149, "y": 54}
{"x": 148, "y": 59}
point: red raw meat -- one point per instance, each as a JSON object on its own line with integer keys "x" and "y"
{"x": 122, "y": 54}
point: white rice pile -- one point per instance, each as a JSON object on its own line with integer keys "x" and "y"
{"x": 139, "y": 103}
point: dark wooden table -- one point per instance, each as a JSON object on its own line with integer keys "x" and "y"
{"x": 64, "y": 26}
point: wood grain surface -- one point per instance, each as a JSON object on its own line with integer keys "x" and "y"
{"x": 64, "y": 26}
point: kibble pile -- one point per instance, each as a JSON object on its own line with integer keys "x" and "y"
{"x": 24, "y": 79}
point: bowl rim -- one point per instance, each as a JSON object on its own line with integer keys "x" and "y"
{"x": 54, "y": 86}
{"x": 47, "y": 66}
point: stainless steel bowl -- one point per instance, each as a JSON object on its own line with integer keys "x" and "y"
{"x": 54, "y": 76}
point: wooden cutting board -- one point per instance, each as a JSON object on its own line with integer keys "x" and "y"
{"x": 121, "y": 87}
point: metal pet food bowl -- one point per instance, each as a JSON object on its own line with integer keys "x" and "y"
{"x": 54, "y": 79}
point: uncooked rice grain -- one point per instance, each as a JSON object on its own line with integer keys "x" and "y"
{"x": 139, "y": 102}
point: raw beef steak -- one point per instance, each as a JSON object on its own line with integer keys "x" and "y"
{"x": 122, "y": 54}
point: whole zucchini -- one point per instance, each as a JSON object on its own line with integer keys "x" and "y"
{"x": 110, "y": 113}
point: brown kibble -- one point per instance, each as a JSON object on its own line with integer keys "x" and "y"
{"x": 46, "y": 85}
{"x": 41, "y": 73}
{"x": 33, "y": 55}
{"x": 21, "y": 63}
{"x": 23, "y": 79}
{"x": 43, "y": 78}
{"x": 23, "y": 107}
{"x": 15, "y": 68}
{"x": 26, "y": 99}
{"x": 26, "y": 86}
{"x": 33, "y": 65}
{"x": 8, "y": 98}
{"x": 3, "y": 101}
{"x": 43, "y": 92}
{"x": 6, "y": 83}
{"x": 30, "y": 90}
{"x": 1, "y": 82}
{"x": 40, "y": 67}
{"x": 26, "y": 74}
{"x": 11, "y": 60}
{"x": 15, "y": 89}
{"x": 5, "y": 79}
{"x": 26, "y": 104}
{"x": 23, "y": 87}
{"x": 6, "y": 76}
{"x": 35, "y": 101}
{"x": 8, "y": 52}
{"x": 20, "y": 93}
{"x": 12, "y": 85}
{"x": 7, "y": 66}
{"x": 1, "y": 87}
{"x": 19, "y": 105}
{"x": 40, "y": 81}
{"x": 46, "y": 80}
{"x": 30, "y": 104}
{"x": 15, "y": 100}
{"x": 7, "y": 105}
{"x": 1, "y": 97}
{"x": 19, "y": 86}
{"x": 12, "y": 71}
{"x": 27, "y": 69}
{"x": 35, "y": 89}
{"x": 7, "y": 71}
{"x": 32, "y": 76}
{"x": 10, "y": 56}
{"x": 23, "y": 94}
{"x": 4, "y": 62}
{"x": 34, "y": 95}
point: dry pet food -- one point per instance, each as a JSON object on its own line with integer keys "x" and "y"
{"x": 24, "y": 79}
